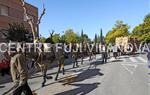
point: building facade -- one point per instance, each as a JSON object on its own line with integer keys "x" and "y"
{"x": 125, "y": 42}
{"x": 11, "y": 11}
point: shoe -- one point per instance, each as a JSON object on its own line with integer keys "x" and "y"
{"x": 43, "y": 85}
{"x": 49, "y": 77}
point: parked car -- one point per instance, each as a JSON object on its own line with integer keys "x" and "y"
{"x": 4, "y": 64}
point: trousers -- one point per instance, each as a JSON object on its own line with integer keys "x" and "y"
{"x": 24, "y": 88}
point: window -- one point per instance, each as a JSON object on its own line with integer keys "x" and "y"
{"x": 2, "y": 34}
{"x": 31, "y": 17}
{"x": 4, "y": 10}
{"x": 24, "y": 17}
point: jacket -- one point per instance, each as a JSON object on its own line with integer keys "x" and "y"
{"x": 18, "y": 69}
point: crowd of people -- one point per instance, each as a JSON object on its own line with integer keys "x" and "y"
{"x": 19, "y": 70}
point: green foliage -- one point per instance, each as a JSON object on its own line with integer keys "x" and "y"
{"x": 142, "y": 31}
{"x": 147, "y": 18}
{"x": 100, "y": 39}
{"x": 56, "y": 38}
{"x": 81, "y": 37}
{"x": 17, "y": 32}
{"x": 95, "y": 39}
{"x": 49, "y": 39}
{"x": 120, "y": 29}
{"x": 86, "y": 38}
{"x": 70, "y": 36}
{"x": 42, "y": 39}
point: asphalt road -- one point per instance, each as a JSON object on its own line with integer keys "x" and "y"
{"x": 122, "y": 76}
{"x": 127, "y": 76}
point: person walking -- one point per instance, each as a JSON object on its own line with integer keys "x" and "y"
{"x": 42, "y": 66}
{"x": 104, "y": 54}
{"x": 19, "y": 73}
{"x": 148, "y": 57}
{"x": 32, "y": 61}
{"x": 115, "y": 51}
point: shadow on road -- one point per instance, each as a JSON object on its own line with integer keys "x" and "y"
{"x": 82, "y": 89}
{"x": 95, "y": 63}
{"x": 44, "y": 86}
{"x": 6, "y": 80}
{"x": 2, "y": 86}
{"x": 86, "y": 74}
{"x": 117, "y": 60}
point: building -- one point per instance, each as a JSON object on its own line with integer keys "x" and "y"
{"x": 11, "y": 11}
{"x": 124, "y": 42}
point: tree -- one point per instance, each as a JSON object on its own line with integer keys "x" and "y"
{"x": 34, "y": 26}
{"x": 70, "y": 36}
{"x": 17, "y": 32}
{"x": 56, "y": 38}
{"x": 142, "y": 31}
{"x": 83, "y": 37}
{"x": 101, "y": 37}
{"x": 147, "y": 18}
{"x": 95, "y": 39}
{"x": 86, "y": 38}
{"x": 120, "y": 29}
{"x": 53, "y": 38}
{"x": 42, "y": 39}
{"x": 49, "y": 39}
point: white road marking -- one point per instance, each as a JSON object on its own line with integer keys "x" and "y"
{"x": 129, "y": 65}
{"x": 142, "y": 59}
{"x": 136, "y": 60}
{"x": 133, "y": 59}
{"x": 133, "y": 65}
{"x": 128, "y": 70}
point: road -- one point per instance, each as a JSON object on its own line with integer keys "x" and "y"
{"x": 123, "y": 76}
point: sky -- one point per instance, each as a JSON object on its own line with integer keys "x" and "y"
{"x": 89, "y": 15}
